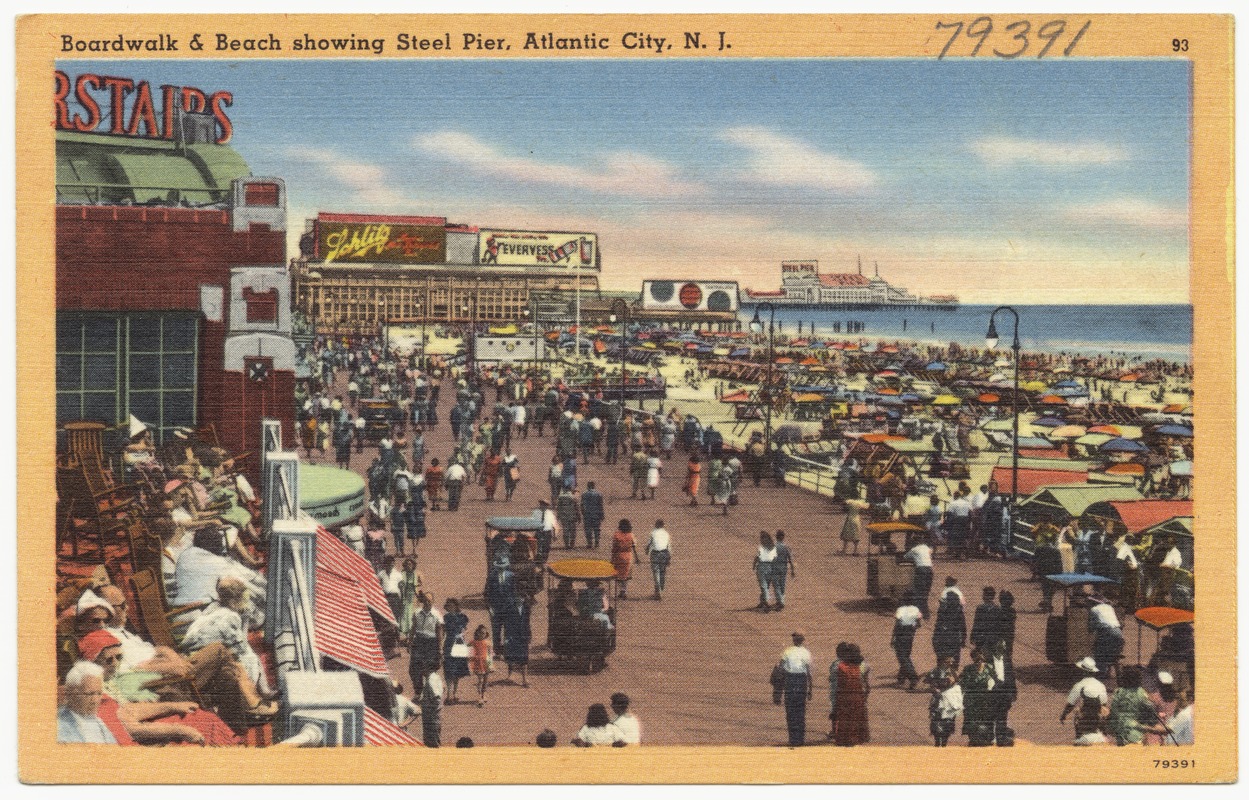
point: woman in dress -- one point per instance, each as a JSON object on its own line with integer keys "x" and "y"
{"x": 852, "y": 531}
{"x": 1066, "y": 546}
{"x": 409, "y": 586}
{"x": 455, "y": 624}
{"x": 490, "y": 473}
{"x": 653, "y": 467}
{"x": 977, "y": 682}
{"x": 693, "y": 477}
{"x": 720, "y": 484}
{"x": 849, "y": 686}
{"x": 624, "y": 554}
{"x": 479, "y": 661}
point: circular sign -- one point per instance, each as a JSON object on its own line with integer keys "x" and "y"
{"x": 691, "y": 295}
{"x": 719, "y": 301}
{"x": 662, "y": 291}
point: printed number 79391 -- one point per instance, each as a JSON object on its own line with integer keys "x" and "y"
{"x": 1174, "y": 763}
{"x": 981, "y": 28}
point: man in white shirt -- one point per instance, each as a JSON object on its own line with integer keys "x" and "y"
{"x": 454, "y": 480}
{"x": 624, "y": 720}
{"x": 1090, "y": 693}
{"x": 796, "y": 664}
{"x": 921, "y": 581}
{"x": 659, "y": 551}
{"x": 1107, "y": 634}
{"x": 546, "y": 534}
{"x": 958, "y": 522}
{"x": 907, "y": 620}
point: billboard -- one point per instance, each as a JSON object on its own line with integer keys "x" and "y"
{"x": 689, "y": 295}
{"x": 380, "y": 242}
{"x": 538, "y": 249}
{"x": 812, "y": 267}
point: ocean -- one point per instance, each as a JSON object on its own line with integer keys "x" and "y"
{"x": 1122, "y": 331}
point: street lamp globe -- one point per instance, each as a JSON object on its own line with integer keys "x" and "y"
{"x": 612, "y": 319}
{"x": 991, "y": 338}
{"x": 756, "y": 324}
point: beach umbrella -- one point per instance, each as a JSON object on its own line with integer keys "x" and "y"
{"x": 799, "y": 343}
{"x": 1113, "y": 430}
{"x": 1048, "y": 422}
{"x": 809, "y": 397}
{"x": 810, "y": 362}
{"x": 1036, "y": 443}
{"x": 1094, "y": 439}
{"x": 1067, "y": 432}
{"x": 1174, "y": 430}
{"x": 998, "y": 425}
{"x": 1032, "y": 386}
{"x": 1176, "y": 408}
{"x": 1121, "y": 445}
{"x": 1129, "y": 377}
{"x": 989, "y": 398}
{"x": 887, "y": 372}
{"x": 1068, "y": 392}
{"x": 736, "y": 397}
{"x": 888, "y": 390}
{"x": 935, "y": 366}
{"x": 890, "y": 401}
{"x": 909, "y": 398}
{"x": 946, "y": 400}
{"x": 888, "y": 348}
{"x": 998, "y": 377}
{"x": 1068, "y": 384}
{"x": 1126, "y": 468}
{"x": 1053, "y": 400}
{"x": 784, "y": 360}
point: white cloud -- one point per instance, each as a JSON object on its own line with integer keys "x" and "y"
{"x": 619, "y": 173}
{"x": 1129, "y": 211}
{"x": 366, "y": 181}
{"x": 1002, "y": 150}
{"x": 780, "y": 160}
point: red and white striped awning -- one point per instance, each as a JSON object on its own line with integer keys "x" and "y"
{"x": 380, "y": 731}
{"x": 335, "y": 556}
{"x": 344, "y": 628}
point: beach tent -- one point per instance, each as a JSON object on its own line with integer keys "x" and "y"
{"x": 1034, "y": 480}
{"x": 1139, "y": 515}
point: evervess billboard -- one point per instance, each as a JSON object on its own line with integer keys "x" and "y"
{"x": 538, "y": 249}
{"x": 689, "y": 295}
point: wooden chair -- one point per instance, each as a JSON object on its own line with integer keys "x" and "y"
{"x": 87, "y": 513}
{"x": 160, "y": 624}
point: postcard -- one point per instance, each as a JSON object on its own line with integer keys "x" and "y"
{"x": 342, "y": 337}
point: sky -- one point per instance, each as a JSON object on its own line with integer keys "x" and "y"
{"x": 1061, "y": 181}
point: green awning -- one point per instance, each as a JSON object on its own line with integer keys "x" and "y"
{"x": 1074, "y": 499}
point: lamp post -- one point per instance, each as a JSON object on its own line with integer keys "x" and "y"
{"x": 624, "y": 316}
{"x": 756, "y": 326}
{"x": 991, "y": 339}
{"x": 470, "y": 307}
{"x": 420, "y": 309}
{"x": 381, "y": 318}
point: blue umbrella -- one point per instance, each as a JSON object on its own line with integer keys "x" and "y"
{"x": 1049, "y": 422}
{"x": 909, "y": 398}
{"x": 1121, "y": 445}
{"x": 1071, "y": 391}
{"x": 1077, "y": 578}
{"x": 935, "y": 366}
{"x": 1067, "y": 385}
{"x": 1174, "y": 430}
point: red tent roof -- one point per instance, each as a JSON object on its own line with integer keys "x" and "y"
{"x": 1042, "y": 452}
{"x": 1137, "y": 515}
{"x": 1034, "y": 480}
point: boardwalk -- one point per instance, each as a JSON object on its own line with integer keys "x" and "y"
{"x": 696, "y": 663}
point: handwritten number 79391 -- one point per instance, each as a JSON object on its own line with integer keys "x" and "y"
{"x": 1014, "y": 40}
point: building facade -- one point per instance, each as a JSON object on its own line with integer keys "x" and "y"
{"x": 357, "y": 272}
{"x": 172, "y": 294}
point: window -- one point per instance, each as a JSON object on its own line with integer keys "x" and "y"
{"x": 260, "y": 194}
{"x": 261, "y": 306}
{"x": 109, "y": 366}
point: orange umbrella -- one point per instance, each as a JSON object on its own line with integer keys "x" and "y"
{"x": 809, "y": 361}
{"x": 1113, "y": 430}
{"x": 1053, "y": 400}
{"x": 1126, "y": 468}
{"x": 988, "y": 397}
{"x": 784, "y": 360}
{"x": 888, "y": 391}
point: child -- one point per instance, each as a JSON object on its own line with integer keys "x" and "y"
{"x": 946, "y": 702}
{"x": 479, "y": 661}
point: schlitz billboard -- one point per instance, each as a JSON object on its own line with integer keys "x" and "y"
{"x": 538, "y": 249}
{"x": 374, "y": 242}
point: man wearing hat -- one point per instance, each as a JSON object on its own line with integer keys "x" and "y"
{"x": 1107, "y": 634}
{"x": 1089, "y": 694}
